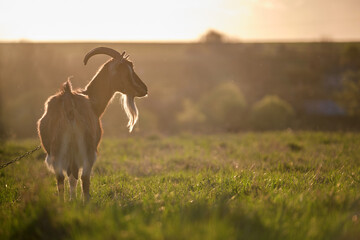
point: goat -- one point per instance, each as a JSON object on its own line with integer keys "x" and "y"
{"x": 70, "y": 128}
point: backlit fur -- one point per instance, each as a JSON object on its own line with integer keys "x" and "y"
{"x": 70, "y": 128}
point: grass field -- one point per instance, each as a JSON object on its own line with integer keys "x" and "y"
{"x": 278, "y": 185}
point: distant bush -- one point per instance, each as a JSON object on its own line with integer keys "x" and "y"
{"x": 349, "y": 96}
{"x": 148, "y": 122}
{"x": 2, "y": 131}
{"x": 212, "y": 36}
{"x": 271, "y": 112}
{"x": 2, "y": 128}
{"x": 350, "y": 59}
{"x": 224, "y": 107}
{"x": 190, "y": 117}
{"x": 22, "y": 113}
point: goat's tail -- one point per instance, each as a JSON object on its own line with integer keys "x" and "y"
{"x": 68, "y": 104}
{"x": 67, "y": 86}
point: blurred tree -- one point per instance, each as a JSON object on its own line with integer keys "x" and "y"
{"x": 224, "y": 107}
{"x": 2, "y": 128}
{"x": 190, "y": 117}
{"x": 349, "y": 96}
{"x": 213, "y": 36}
{"x": 350, "y": 59}
{"x": 148, "y": 121}
{"x": 23, "y": 112}
{"x": 271, "y": 112}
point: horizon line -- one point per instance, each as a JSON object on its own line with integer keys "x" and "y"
{"x": 192, "y": 41}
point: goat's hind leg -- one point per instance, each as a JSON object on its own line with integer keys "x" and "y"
{"x": 85, "y": 177}
{"x": 85, "y": 180}
{"x": 73, "y": 173}
{"x": 59, "y": 176}
{"x": 60, "y": 185}
{"x": 73, "y": 184}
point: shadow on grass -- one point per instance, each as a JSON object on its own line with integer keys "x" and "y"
{"x": 44, "y": 225}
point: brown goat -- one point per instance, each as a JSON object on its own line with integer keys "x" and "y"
{"x": 70, "y": 128}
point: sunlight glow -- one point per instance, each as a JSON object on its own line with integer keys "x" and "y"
{"x": 167, "y": 20}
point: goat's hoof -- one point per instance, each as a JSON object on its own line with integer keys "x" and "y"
{"x": 87, "y": 199}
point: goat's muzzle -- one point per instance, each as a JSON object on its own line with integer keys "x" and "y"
{"x": 140, "y": 88}
{"x": 141, "y": 92}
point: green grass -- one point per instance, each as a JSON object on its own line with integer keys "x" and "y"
{"x": 278, "y": 185}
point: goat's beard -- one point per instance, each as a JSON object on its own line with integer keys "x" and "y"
{"x": 128, "y": 103}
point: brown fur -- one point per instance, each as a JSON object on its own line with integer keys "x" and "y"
{"x": 65, "y": 111}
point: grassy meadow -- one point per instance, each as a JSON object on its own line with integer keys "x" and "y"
{"x": 273, "y": 185}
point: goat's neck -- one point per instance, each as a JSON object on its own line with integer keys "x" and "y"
{"x": 100, "y": 93}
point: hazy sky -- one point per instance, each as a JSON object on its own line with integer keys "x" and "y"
{"x": 180, "y": 20}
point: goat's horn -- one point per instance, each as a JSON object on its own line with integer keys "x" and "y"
{"x": 104, "y": 50}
